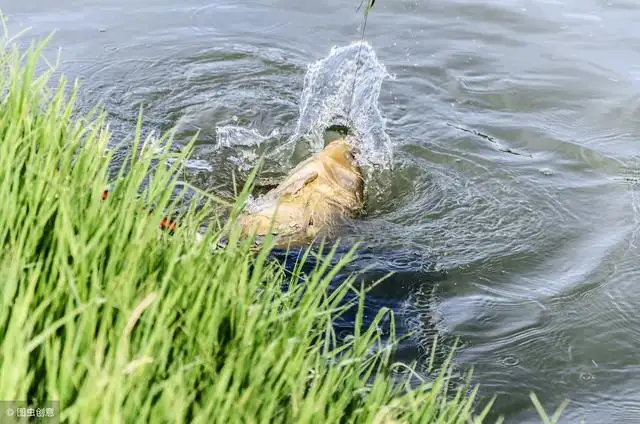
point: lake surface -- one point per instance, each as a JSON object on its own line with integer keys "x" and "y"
{"x": 502, "y": 148}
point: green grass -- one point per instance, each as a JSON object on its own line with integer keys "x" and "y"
{"x": 120, "y": 322}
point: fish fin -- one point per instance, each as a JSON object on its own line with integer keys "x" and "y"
{"x": 296, "y": 182}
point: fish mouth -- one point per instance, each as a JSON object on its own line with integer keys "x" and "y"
{"x": 340, "y": 127}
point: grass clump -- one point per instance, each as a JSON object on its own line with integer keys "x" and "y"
{"x": 120, "y": 322}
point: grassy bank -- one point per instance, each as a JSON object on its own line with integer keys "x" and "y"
{"x": 121, "y": 322}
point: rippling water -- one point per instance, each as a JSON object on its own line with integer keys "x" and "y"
{"x": 512, "y": 128}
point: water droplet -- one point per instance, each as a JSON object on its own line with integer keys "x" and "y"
{"x": 546, "y": 171}
{"x": 586, "y": 377}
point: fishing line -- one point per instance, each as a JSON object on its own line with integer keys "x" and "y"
{"x": 370, "y": 4}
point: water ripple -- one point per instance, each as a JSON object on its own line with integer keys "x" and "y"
{"x": 511, "y": 127}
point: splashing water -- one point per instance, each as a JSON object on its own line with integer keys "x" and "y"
{"x": 343, "y": 87}
{"x": 346, "y": 85}
{"x": 243, "y": 141}
{"x": 230, "y": 135}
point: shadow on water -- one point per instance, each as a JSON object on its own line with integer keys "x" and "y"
{"x": 388, "y": 276}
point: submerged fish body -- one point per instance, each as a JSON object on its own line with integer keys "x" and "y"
{"x": 312, "y": 201}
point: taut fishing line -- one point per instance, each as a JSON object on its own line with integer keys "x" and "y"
{"x": 369, "y": 6}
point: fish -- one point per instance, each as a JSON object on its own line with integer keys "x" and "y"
{"x": 313, "y": 201}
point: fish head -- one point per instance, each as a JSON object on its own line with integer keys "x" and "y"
{"x": 343, "y": 153}
{"x": 341, "y": 166}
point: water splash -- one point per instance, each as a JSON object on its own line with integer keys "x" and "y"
{"x": 330, "y": 95}
{"x": 345, "y": 86}
{"x": 243, "y": 144}
{"x": 231, "y": 135}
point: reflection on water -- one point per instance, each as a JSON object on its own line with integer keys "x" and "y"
{"x": 512, "y": 129}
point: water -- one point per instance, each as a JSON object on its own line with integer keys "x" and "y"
{"x": 502, "y": 150}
